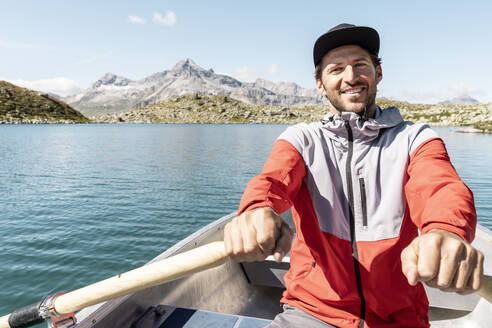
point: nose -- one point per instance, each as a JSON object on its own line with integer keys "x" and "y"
{"x": 350, "y": 75}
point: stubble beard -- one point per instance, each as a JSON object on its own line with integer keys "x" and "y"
{"x": 337, "y": 105}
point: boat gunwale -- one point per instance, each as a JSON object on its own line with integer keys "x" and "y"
{"x": 98, "y": 312}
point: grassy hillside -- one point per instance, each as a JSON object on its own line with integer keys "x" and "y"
{"x": 211, "y": 109}
{"x": 20, "y": 105}
{"x": 221, "y": 109}
{"x": 478, "y": 116}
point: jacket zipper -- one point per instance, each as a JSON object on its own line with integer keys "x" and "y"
{"x": 362, "y": 185}
{"x": 350, "y": 191}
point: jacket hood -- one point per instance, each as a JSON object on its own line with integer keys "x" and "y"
{"x": 363, "y": 130}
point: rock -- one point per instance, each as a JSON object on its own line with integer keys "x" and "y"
{"x": 6, "y": 93}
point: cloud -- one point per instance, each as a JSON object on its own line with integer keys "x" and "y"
{"x": 24, "y": 46}
{"x": 460, "y": 89}
{"x": 244, "y": 74}
{"x": 169, "y": 18}
{"x": 16, "y": 45}
{"x": 273, "y": 69}
{"x": 136, "y": 19}
{"x": 59, "y": 85}
{"x": 94, "y": 58}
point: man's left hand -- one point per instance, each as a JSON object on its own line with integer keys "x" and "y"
{"x": 443, "y": 260}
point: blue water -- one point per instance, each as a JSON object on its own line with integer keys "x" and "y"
{"x": 79, "y": 203}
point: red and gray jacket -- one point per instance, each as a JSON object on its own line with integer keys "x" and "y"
{"x": 359, "y": 191}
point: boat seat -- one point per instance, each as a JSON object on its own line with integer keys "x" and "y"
{"x": 267, "y": 273}
{"x": 270, "y": 273}
{"x": 163, "y": 316}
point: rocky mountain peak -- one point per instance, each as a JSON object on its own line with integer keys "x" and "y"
{"x": 189, "y": 68}
{"x": 111, "y": 79}
{"x": 186, "y": 63}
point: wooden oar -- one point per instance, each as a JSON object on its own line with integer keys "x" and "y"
{"x": 195, "y": 260}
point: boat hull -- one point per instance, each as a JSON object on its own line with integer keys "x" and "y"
{"x": 251, "y": 290}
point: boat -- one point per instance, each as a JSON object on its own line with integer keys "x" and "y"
{"x": 246, "y": 295}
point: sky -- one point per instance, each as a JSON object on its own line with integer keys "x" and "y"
{"x": 431, "y": 50}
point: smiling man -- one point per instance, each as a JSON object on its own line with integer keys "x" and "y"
{"x": 348, "y": 77}
{"x": 361, "y": 183}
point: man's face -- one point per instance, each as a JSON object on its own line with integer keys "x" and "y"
{"x": 349, "y": 79}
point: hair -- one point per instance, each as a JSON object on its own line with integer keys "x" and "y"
{"x": 376, "y": 61}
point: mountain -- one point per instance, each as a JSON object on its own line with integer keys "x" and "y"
{"x": 461, "y": 100}
{"x": 113, "y": 93}
{"x": 20, "y": 105}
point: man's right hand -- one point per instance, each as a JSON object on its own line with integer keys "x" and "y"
{"x": 256, "y": 234}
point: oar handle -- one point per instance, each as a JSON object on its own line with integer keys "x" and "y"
{"x": 153, "y": 274}
{"x": 195, "y": 260}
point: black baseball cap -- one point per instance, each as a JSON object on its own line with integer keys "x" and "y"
{"x": 346, "y": 34}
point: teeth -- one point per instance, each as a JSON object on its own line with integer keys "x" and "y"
{"x": 353, "y": 91}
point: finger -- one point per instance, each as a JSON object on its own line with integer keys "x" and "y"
{"x": 237, "y": 242}
{"x": 227, "y": 239}
{"x": 266, "y": 232}
{"x": 474, "y": 282}
{"x": 284, "y": 242}
{"x": 453, "y": 252}
{"x": 465, "y": 269}
{"x": 252, "y": 251}
{"x": 429, "y": 256}
{"x": 409, "y": 261}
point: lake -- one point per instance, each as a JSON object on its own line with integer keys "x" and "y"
{"x": 80, "y": 203}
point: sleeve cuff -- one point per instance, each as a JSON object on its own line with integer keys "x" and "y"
{"x": 256, "y": 205}
{"x": 466, "y": 235}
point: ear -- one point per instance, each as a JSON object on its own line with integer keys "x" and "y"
{"x": 379, "y": 74}
{"x": 320, "y": 87}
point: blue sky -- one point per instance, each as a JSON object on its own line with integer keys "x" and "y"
{"x": 431, "y": 50}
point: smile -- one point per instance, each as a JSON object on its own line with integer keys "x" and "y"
{"x": 353, "y": 91}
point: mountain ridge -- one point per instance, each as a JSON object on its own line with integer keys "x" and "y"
{"x": 112, "y": 93}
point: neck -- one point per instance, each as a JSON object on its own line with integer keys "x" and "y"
{"x": 366, "y": 112}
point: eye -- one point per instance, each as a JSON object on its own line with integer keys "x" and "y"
{"x": 335, "y": 70}
{"x": 360, "y": 65}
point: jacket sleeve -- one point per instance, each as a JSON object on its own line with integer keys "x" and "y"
{"x": 279, "y": 181}
{"x": 436, "y": 196}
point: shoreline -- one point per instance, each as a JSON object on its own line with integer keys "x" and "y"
{"x": 221, "y": 109}
{"x": 465, "y": 129}
{"x": 201, "y": 109}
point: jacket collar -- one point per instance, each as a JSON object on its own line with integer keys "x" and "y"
{"x": 362, "y": 129}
